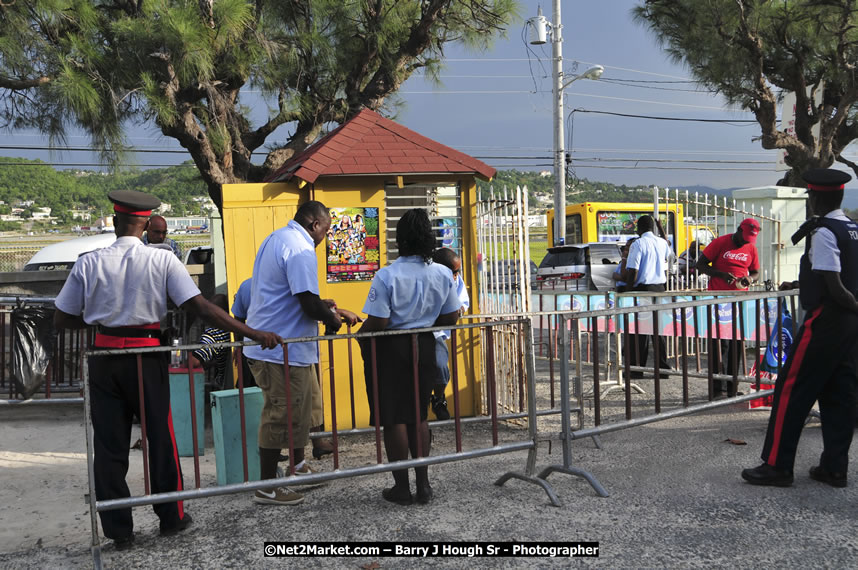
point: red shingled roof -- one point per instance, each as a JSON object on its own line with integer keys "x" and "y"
{"x": 370, "y": 144}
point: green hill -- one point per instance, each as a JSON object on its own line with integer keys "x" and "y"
{"x": 541, "y": 189}
{"x": 62, "y": 190}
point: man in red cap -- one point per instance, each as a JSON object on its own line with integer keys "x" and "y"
{"x": 123, "y": 289}
{"x": 823, "y": 358}
{"x": 732, "y": 263}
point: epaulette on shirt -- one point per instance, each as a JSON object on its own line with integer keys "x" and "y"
{"x": 88, "y": 252}
{"x": 805, "y": 229}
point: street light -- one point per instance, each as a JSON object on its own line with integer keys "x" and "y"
{"x": 539, "y": 27}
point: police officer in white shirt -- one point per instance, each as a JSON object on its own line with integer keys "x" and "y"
{"x": 122, "y": 289}
{"x": 823, "y": 358}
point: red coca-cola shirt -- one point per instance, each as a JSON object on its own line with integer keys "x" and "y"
{"x": 737, "y": 261}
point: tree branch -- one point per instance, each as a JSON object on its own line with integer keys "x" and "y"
{"x": 20, "y": 84}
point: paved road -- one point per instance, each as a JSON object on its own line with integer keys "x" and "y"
{"x": 676, "y": 501}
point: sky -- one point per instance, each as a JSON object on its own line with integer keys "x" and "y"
{"x": 496, "y": 106}
{"x": 490, "y": 107}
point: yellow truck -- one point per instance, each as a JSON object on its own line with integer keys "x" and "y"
{"x": 591, "y": 222}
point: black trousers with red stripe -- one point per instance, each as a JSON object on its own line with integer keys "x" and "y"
{"x": 115, "y": 399}
{"x": 821, "y": 365}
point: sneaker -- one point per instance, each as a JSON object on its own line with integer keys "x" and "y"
{"x": 439, "y": 407}
{"x": 284, "y": 496}
{"x": 306, "y": 470}
{"x": 184, "y": 523}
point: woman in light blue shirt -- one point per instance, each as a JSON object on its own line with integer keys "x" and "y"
{"x": 410, "y": 293}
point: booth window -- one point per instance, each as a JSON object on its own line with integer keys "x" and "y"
{"x": 443, "y": 203}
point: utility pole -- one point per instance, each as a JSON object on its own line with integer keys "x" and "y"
{"x": 559, "y": 150}
{"x": 539, "y": 35}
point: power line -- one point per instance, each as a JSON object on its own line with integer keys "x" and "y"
{"x": 724, "y": 121}
{"x": 521, "y": 92}
{"x": 507, "y": 59}
{"x": 671, "y": 160}
{"x": 91, "y": 149}
{"x": 679, "y": 168}
{"x": 93, "y": 164}
{"x": 640, "y": 85}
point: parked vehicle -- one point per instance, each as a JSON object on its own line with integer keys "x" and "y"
{"x": 580, "y": 267}
{"x": 505, "y": 275}
{"x": 62, "y": 256}
{"x": 599, "y": 222}
{"x": 199, "y": 255}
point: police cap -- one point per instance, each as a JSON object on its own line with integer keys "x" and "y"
{"x": 132, "y": 202}
{"x": 825, "y": 179}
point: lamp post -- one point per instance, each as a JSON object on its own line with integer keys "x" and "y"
{"x": 539, "y": 26}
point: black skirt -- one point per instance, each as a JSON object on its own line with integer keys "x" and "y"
{"x": 394, "y": 359}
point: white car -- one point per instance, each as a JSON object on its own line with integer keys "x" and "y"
{"x": 62, "y": 256}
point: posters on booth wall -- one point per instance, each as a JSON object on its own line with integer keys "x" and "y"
{"x": 449, "y": 230}
{"x": 352, "y": 246}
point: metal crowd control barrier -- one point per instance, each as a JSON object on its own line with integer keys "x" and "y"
{"x": 63, "y": 377}
{"x": 63, "y": 373}
{"x": 766, "y": 323}
{"x": 529, "y": 442}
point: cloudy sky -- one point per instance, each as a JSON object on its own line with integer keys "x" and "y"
{"x": 497, "y": 106}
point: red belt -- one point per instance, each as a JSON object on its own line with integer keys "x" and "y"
{"x": 116, "y": 341}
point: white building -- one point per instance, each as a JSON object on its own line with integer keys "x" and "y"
{"x": 42, "y": 214}
{"x": 183, "y": 223}
{"x": 104, "y": 224}
{"x": 789, "y": 205}
{"x": 84, "y": 215}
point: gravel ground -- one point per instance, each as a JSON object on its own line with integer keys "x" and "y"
{"x": 676, "y": 500}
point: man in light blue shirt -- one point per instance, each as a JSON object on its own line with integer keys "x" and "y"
{"x": 648, "y": 258}
{"x": 646, "y": 270}
{"x": 241, "y": 302}
{"x": 284, "y": 294}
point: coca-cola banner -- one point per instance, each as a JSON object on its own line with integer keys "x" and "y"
{"x": 721, "y": 316}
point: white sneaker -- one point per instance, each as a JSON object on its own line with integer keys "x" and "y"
{"x": 284, "y": 496}
{"x": 306, "y": 470}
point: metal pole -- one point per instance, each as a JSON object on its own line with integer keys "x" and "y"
{"x": 564, "y": 393}
{"x": 559, "y": 150}
{"x": 90, "y": 458}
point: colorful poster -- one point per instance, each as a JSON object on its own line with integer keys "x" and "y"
{"x": 449, "y": 231}
{"x": 621, "y": 226}
{"x": 352, "y": 248}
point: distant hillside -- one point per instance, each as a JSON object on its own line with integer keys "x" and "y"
{"x": 62, "y": 190}
{"x": 541, "y": 189}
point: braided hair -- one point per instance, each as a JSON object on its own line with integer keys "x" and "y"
{"x": 414, "y": 235}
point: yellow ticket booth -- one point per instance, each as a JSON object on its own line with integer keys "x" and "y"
{"x": 369, "y": 171}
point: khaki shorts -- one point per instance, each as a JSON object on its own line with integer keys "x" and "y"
{"x": 317, "y": 416}
{"x": 275, "y": 418}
